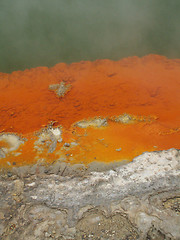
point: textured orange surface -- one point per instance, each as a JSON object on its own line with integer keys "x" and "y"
{"x": 147, "y": 86}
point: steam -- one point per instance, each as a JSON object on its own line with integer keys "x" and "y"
{"x": 45, "y": 32}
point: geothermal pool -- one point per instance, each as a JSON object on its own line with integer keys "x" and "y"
{"x": 101, "y": 111}
{"x": 89, "y": 120}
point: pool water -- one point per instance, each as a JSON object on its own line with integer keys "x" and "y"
{"x": 43, "y": 33}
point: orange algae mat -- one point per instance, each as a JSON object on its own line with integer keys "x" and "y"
{"x": 137, "y": 98}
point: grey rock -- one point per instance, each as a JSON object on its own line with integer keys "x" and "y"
{"x": 139, "y": 200}
{"x": 66, "y": 145}
{"x": 2, "y": 154}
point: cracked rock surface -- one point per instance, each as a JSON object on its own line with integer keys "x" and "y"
{"x": 139, "y": 200}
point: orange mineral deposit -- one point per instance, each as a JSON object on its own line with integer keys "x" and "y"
{"x": 90, "y": 111}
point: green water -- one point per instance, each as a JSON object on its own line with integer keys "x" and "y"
{"x": 45, "y": 32}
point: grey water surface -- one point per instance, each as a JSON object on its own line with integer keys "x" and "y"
{"x": 45, "y": 32}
